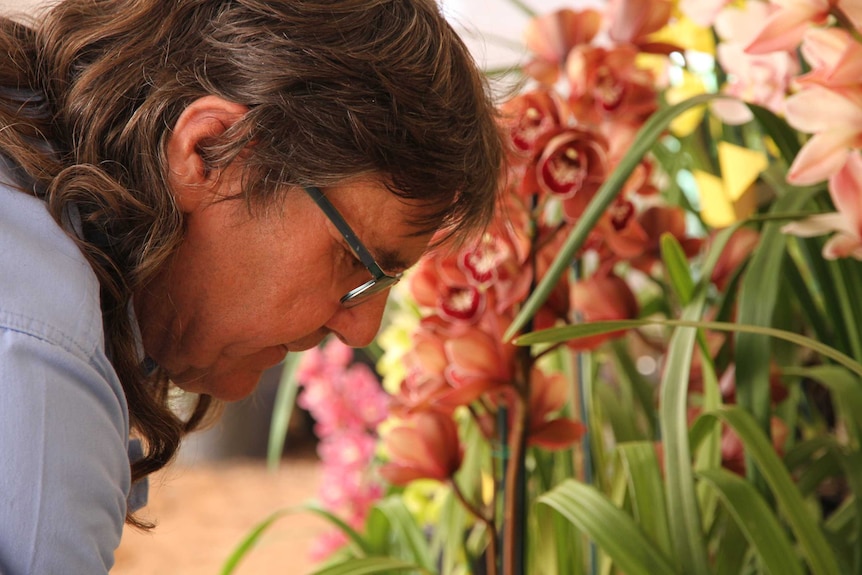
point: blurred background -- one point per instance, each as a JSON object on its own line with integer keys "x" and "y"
{"x": 219, "y": 487}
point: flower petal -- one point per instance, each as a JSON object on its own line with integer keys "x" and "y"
{"x": 821, "y": 157}
{"x": 819, "y": 109}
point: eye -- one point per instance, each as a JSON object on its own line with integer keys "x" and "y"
{"x": 351, "y": 258}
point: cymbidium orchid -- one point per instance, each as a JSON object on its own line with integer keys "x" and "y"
{"x": 785, "y": 26}
{"x": 550, "y": 38}
{"x": 846, "y": 190}
{"x": 425, "y": 445}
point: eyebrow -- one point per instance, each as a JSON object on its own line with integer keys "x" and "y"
{"x": 389, "y": 260}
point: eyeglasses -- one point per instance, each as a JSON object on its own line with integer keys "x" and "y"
{"x": 380, "y": 280}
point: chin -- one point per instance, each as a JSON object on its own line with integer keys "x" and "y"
{"x": 228, "y": 386}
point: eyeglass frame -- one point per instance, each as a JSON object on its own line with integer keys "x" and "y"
{"x": 380, "y": 280}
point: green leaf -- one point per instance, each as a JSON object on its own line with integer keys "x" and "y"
{"x": 785, "y": 137}
{"x": 369, "y": 566}
{"x": 357, "y": 543}
{"x": 643, "y": 142}
{"x": 403, "y": 530}
{"x": 282, "y": 409}
{"x": 757, "y": 301}
{"x": 249, "y": 541}
{"x": 761, "y": 528}
{"x": 684, "y": 514}
{"x": 643, "y": 473}
{"x": 808, "y": 532}
{"x": 677, "y": 267}
{"x": 566, "y": 333}
{"x": 846, "y": 389}
{"x": 615, "y": 532}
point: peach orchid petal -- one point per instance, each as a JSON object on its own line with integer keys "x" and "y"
{"x": 784, "y": 29}
{"x": 821, "y": 157}
{"x": 834, "y": 56}
{"x": 845, "y": 187}
{"x": 551, "y": 36}
{"x": 818, "y": 109}
{"x": 817, "y": 225}
{"x": 843, "y": 246}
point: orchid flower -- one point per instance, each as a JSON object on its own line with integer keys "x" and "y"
{"x": 785, "y": 26}
{"x": 835, "y": 58}
{"x": 845, "y": 187}
{"x": 424, "y": 446}
{"x": 551, "y": 36}
{"x": 835, "y": 119}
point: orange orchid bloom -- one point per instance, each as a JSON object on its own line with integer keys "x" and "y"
{"x": 551, "y": 36}
{"x": 633, "y": 21}
{"x": 835, "y": 119}
{"x": 424, "y": 446}
{"x": 479, "y": 362}
{"x": 602, "y": 296}
{"x": 607, "y": 85}
{"x": 572, "y": 166}
{"x": 548, "y": 395}
{"x": 528, "y": 116}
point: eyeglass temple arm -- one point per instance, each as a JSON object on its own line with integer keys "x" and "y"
{"x": 352, "y": 240}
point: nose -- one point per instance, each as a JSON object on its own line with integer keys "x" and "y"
{"x": 357, "y": 326}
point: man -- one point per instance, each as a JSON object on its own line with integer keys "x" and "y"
{"x": 188, "y": 191}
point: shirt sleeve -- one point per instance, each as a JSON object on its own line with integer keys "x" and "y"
{"x": 65, "y": 473}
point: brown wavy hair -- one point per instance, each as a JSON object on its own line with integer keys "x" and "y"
{"x": 334, "y": 89}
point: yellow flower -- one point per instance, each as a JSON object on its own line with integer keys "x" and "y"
{"x": 687, "y": 35}
{"x": 730, "y": 198}
{"x": 690, "y": 85}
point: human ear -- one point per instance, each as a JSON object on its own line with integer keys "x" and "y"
{"x": 190, "y": 180}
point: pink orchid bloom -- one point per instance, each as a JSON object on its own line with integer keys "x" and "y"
{"x": 424, "y": 446}
{"x": 784, "y": 28}
{"x": 761, "y": 79}
{"x": 702, "y": 12}
{"x": 835, "y": 119}
{"x": 551, "y": 37}
{"x": 835, "y": 58}
{"x": 845, "y": 187}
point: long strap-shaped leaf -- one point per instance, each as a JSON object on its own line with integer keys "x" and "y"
{"x": 371, "y": 565}
{"x": 643, "y": 142}
{"x": 610, "y": 527}
{"x": 808, "y": 532}
{"x": 569, "y": 332}
{"x": 757, "y": 521}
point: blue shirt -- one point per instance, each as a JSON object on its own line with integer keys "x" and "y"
{"x": 64, "y": 423}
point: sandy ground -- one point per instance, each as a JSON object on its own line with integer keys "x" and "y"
{"x": 204, "y": 510}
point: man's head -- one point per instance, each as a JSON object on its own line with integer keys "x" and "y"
{"x": 217, "y": 115}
